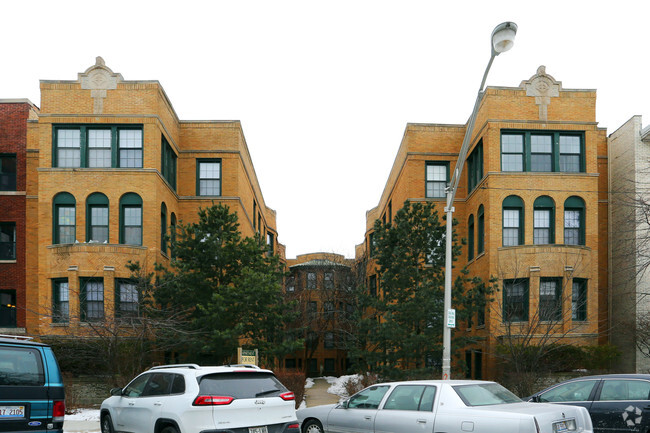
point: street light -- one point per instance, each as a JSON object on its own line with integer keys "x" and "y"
{"x": 503, "y": 38}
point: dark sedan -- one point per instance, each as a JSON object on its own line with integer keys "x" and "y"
{"x": 616, "y": 402}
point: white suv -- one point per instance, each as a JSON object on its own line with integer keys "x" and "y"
{"x": 187, "y": 398}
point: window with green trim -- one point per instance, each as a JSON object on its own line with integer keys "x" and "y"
{"x": 437, "y": 176}
{"x": 127, "y": 299}
{"x": 470, "y": 238}
{"x": 475, "y": 167}
{"x": 131, "y": 219}
{"x": 97, "y": 146}
{"x": 537, "y": 151}
{"x": 7, "y": 241}
{"x": 550, "y": 299}
{"x": 543, "y": 221}
{"x": 515, "y": 300}
{"x": 163, "y": 228}
{"x": 7, "y": 172}
{"x": 97, "y": 218}
{"x": 311, "y": 280}
{"x": 172, "y": 236}
{"x": 372, "y": 285}
{"x": 60, "y": 300}
{"x": 168, "y": 163}
{"x": 579, "y": 299}
{"x": 64, "y": 226}
{"x": 574, "y": 221}
{"x": 513, "y": 221}
{"x": 208, "y": 177}
{"x": 481, "y": 230}
{"x": 91, "y": 299}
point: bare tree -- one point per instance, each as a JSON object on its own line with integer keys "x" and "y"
{"x": 118, "y": 338}
{"x": 541, "y": 334}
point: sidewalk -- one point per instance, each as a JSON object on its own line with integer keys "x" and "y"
{"x": 317, "y": 394}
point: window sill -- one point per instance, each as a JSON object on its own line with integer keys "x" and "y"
{"x": 9, "y": 261}
{"x": 60, "y": 325}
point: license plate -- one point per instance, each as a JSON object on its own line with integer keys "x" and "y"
{"x": 258, "y": 430}
{"x": 12, "y": 411}
{"x": 560, "y": 427}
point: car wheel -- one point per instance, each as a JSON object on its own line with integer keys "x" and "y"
{"x": 169, "y": 429}
{"x": 107, "y": 424}
{"x": 312, "y": 426}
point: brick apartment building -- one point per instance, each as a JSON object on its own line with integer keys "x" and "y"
{"x": 111, "y": 171}
{"x": 532, "y": 204}
{"x": 322, "y": 286}
{"x": 14, "y": 114}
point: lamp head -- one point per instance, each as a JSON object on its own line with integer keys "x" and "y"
{"x": 503, "y": 37}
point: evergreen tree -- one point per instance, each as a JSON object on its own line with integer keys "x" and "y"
{"x": 229, "y": 289}
{"x": 401, "y": 328}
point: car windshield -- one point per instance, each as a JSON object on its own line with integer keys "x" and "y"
{"x": 485, "y": 394}
{"x": 241, "y": 385}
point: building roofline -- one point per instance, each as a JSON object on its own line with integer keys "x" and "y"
{"x": 17, "y": 101}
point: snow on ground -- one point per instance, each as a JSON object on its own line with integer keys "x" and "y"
{"x": 337, "y": 384}
{"x": 83, "y": 415}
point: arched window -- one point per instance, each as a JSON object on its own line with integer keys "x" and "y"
{"x": 172, "y": 236}
{"x": 97, "y": 218}
{"x": 131, "y": 219}
{"x": 513, "y": 221}
{"x": 163, "y": 228}
{"x": 574, "y": 221}
{"x": 470, "y": 238}
{"x": 481, "y": 230}
{"x": 544, "y": 221}
{"x": 64, "y": 219}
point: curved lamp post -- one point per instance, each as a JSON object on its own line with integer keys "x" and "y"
{"x": 503, "y": 38}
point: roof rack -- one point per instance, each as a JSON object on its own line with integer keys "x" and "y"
{"x": 16, "y": 337}
{"x": 245, "y": 366}
{"x": 159, "y": 367}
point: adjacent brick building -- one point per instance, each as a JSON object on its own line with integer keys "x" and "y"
{"x": 112, "y": 171}
{"x": 14, "y": 114}
{"x": 532, "y": 205}
{"x": 322, "y": 285}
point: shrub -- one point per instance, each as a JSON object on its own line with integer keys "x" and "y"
{"x": 294, "y": 381}
{"x": 358, "y": 382}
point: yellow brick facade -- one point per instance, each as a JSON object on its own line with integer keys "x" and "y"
{"x": 101, "y": 98}
{"x": 516, "y": 110}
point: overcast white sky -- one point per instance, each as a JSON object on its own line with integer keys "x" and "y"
{"x": 324, "y": 89}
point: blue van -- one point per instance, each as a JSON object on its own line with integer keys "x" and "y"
{"x": 32, "y": 398}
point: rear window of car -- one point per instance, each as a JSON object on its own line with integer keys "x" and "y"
{"x": 241, "y": 385}
{"x": 485, "y": 394}
{"x": 21, "y": 366}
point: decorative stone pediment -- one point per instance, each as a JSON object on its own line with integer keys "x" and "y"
{"x": 542, "y": 87}
{"x": 98, "y": 79}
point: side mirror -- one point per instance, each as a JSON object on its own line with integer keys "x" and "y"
{"x": 116, "y": 391}
{"x": 344, "y": 403}
{"x": 535, "y": 399}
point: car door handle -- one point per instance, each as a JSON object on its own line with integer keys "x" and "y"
{"x": 131, "y": 403}
{"x": 158, "y": 403}
{"x": 368, "y": 417}
{"x": 422, "y": 421}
